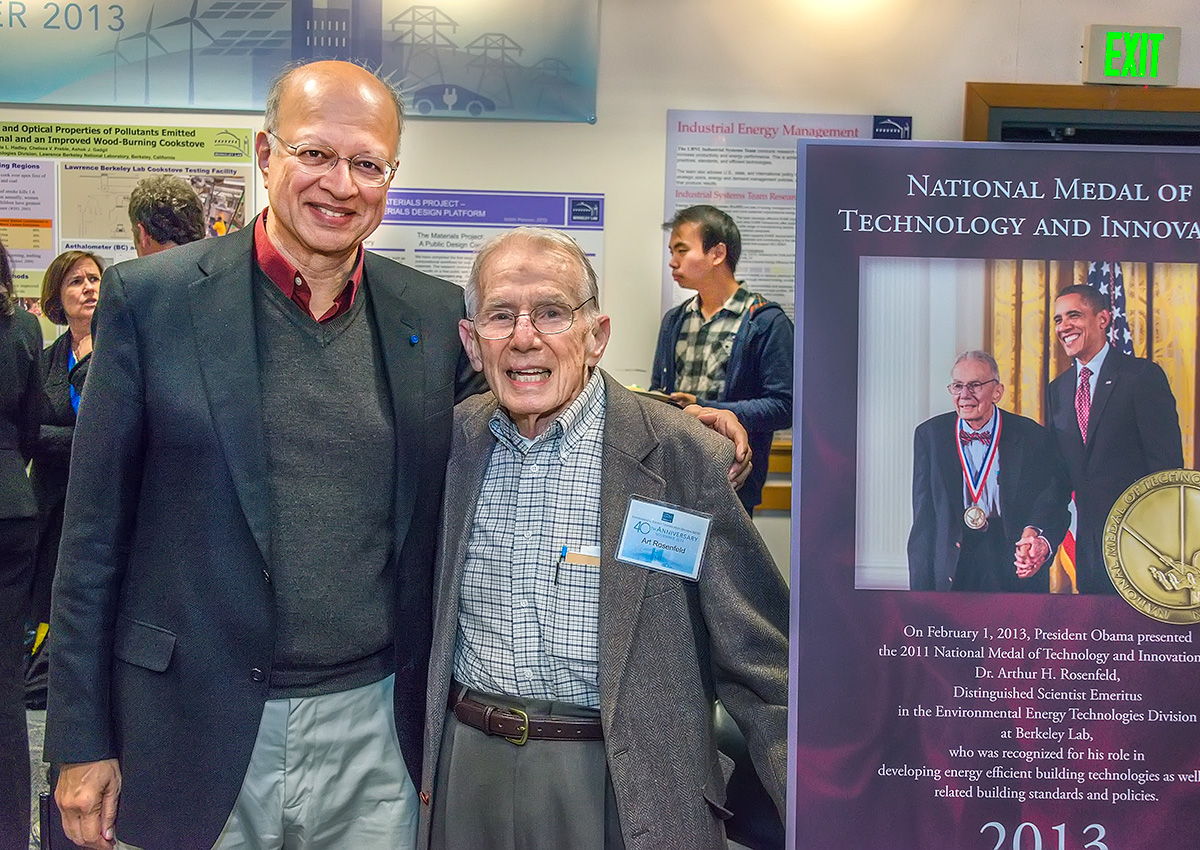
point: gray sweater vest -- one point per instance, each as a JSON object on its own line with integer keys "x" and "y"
{"x": 330, "y": 443}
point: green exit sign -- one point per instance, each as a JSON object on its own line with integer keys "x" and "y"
{"x": 1133, "y": 56}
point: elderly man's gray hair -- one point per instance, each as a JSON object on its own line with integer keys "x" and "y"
{"x": 980, "y": 357}
{"x": 583, "y": 283}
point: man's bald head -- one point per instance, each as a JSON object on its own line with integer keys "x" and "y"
{"x": 313, "y": 78}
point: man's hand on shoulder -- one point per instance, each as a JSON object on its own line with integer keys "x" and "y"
{"x": 87, "y": 796}
{"x": 726, "y": 423}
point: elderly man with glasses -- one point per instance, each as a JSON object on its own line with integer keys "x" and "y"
{"x": 241, "y": 616}
{"x": 989, "y": 491}
{"x": 599, "y": 585}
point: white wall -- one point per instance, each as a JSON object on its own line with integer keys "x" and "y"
{"x": 853, "y": 56}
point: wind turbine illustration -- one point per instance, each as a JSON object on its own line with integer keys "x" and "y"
{"x": 116, "y": 54}
{"x": 194, "y": 24}
{"x": 148, "y": 37}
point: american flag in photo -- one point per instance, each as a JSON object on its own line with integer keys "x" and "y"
{"x": 1107, "y": 277}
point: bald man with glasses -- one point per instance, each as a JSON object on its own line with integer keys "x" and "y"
{"x": 989, "y": 491}
{"x": 251, "y": 515}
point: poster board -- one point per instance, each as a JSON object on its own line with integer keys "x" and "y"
{"x": 965, "y": 720}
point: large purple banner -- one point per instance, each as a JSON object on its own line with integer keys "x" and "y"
{"x": 942, "y": 698}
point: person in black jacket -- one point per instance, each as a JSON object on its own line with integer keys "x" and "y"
{"x": 70, "y": 290}
{"x": 989, "y": 491}
{"x": 1114, "y": 418}
{"x": 20, "y": 390}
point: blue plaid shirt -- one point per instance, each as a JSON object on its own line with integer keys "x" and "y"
{"x": 528, "y": 621}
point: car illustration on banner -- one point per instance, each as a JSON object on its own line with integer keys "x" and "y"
{"x": 451, "y": 98}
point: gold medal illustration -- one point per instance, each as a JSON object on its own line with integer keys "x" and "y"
{"x": 1152, "y": 545}
{"x": 975, "y": 518}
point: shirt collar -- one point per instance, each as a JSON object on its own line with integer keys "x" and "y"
{"x": 289, "y": 279}
{"x": 570, "y": 427}
{"x": 1095, "y": 363}
{"x": 734, "y": 305}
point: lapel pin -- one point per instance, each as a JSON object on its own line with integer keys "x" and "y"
{"x": 414, "y": 339}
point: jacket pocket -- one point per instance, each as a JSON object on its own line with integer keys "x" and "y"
{"x": 715, "y": 788}
{"x": 142, "y": 644}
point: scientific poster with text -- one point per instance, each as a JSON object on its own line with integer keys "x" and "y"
{"x": 944, "y": 700}
{"x": 437, "y": 231}
{"x": 745, "y": 163}
{"x": 66, "y": 186}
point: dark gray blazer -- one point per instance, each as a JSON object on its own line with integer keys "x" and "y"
{"x": 1033, "y": 492}
{"x": 163, "y": 616}
{"x": 20, "y": 406}
{"x": 667, "y": 646}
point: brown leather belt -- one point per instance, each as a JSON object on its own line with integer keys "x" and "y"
{"x": 518, "y": 727}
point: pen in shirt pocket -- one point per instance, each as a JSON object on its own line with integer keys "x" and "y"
{"x": 580, "y": 556}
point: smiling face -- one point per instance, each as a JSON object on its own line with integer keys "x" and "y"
{"x": 80, "y": 289}
{"x": 976, "y": 409}
{"x": 690, "y": 264}
{"x": 535, "y": 376}
{"x": 1081, "y": 329}
{"x": 321, "y": 219}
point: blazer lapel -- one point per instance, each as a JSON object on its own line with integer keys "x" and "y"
{"x": 473, "y": 444}
{"x": 628, "y": 441}
{"x": 1010, "y": 459}
{"x": 946, "y": 453}
{"x": 1105, "y": 383}
{"x": 222, "y": 307}
{"x": 394, "y": 322}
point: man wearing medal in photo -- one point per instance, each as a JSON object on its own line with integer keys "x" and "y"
{"x": 985, "y": 482}
{"x": 1114, "y": 419}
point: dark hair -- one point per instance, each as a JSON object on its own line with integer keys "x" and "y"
{"x": 716, "y": 227}
{"x": 56, "y": 276}
{"x": 167, "y": 207}
{"x": 6, "y": 283}
{"x": 1091, "y": 296}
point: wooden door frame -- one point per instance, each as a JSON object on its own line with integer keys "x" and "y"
{"x": 981, "y": 98}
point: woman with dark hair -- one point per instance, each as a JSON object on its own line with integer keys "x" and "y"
{"x": 20, "y": 395}
{"x": 69, "y": 292}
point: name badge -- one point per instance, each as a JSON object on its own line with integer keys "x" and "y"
{"x": 664, "y": 537}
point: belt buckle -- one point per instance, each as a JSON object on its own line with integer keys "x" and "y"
{"x": 524, "y": 736}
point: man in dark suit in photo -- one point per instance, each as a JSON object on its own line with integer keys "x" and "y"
{"x": 1114, "y": 419}
{"x": 256, "y": 477}
{"x": 989, "y": 491}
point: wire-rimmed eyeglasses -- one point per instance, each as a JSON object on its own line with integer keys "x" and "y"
{"x": 547, "y": 319}
{"x": 321, "y": 159}
{"x": 973, "y": 388}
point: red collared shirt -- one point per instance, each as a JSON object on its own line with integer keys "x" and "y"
{"x": 289, "y": 280}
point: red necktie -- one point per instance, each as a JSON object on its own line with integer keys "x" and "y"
{"x": 1083, "y": 400}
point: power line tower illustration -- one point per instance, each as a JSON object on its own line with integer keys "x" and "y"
{"x": 492, "y": 53}
{"x": 553, "y": 76}
{"x": 420, "y": 40}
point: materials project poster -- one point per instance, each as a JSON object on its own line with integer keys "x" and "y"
{"x": 960, "y": 720}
